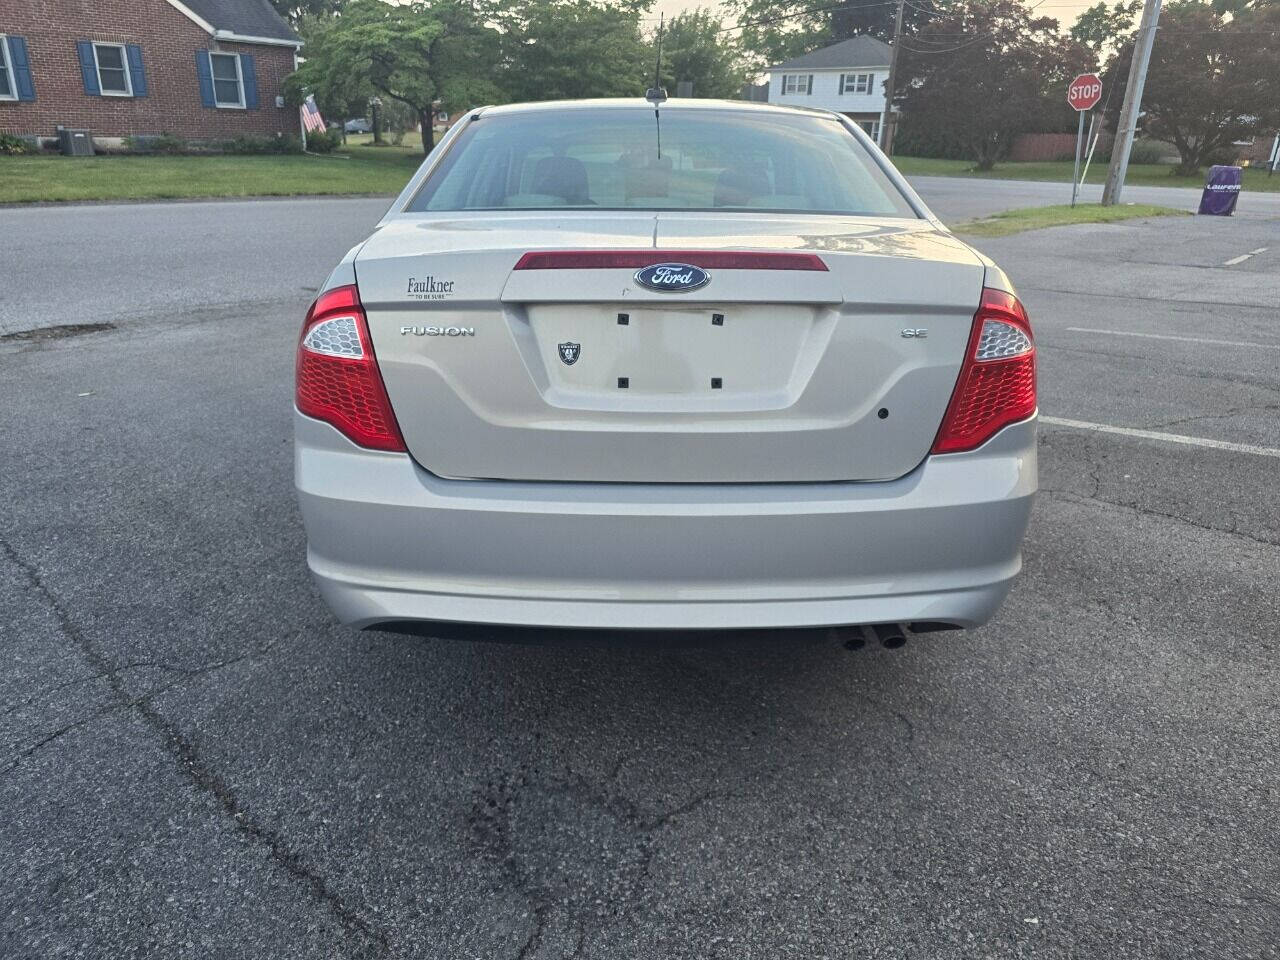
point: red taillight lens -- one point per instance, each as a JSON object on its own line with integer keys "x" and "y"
{"x": 997, "y": 384}
{"x": 337, "y": 375}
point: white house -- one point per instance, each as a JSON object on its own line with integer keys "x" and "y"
{"x": 848, "y": 77}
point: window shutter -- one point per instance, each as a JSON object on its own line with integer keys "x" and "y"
{"x": 137, "y": 76}
{"x": 88, "y": 69}
{"x": 205, "y": 74}
{"x": 250, "y": 77}
{"x": 21, "y": 68}
{"x": 809, "y": 86}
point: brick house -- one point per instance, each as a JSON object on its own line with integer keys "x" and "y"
{"x": 197, "y": 69}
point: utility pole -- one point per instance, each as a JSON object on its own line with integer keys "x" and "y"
{"x": 1132, "y": 104}
{"x": 887, "y": 121}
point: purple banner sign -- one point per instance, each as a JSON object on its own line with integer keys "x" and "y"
{"x": 1221, "y": 191}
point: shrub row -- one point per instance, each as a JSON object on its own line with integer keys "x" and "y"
{"x": 167, "y": 143}
{"x": 11, "y": 145}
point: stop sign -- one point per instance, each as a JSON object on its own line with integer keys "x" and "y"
{"x": 1085, "y": 92}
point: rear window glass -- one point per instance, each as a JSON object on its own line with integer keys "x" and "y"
{"x": 610, "y": 159}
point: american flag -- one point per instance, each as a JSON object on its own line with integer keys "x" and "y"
{"x": 311, "y": 118}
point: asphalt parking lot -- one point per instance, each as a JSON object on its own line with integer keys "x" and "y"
{"x": 195, "y": 762}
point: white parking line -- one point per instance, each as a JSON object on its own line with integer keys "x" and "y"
{"x": 1168, "y": 336}
{"x": 1254, "y": 253}
{"x": 1167, "y": 437}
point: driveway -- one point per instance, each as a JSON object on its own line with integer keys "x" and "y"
{"x": 196, "y": 762}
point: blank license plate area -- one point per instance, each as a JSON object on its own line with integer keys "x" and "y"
{"x": 646, "y": 350}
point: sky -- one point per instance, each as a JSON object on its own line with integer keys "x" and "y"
{"x": 1064, "y": 11}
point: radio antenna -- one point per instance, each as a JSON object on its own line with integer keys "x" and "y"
{"x": 656, "y": 94}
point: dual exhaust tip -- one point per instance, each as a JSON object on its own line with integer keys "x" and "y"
{"x": 892, "y": 635}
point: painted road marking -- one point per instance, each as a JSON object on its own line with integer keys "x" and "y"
{"x": 1243, "y": 257}
{"x": 1167, "y": 437}
{"x": 1167, "y": 336}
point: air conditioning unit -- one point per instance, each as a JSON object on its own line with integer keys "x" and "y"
{"x": 75, "y": 143}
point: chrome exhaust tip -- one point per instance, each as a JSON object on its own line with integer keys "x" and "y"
{"x": 890, "y": 635}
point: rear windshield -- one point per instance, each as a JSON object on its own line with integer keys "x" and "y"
{"x": 610, "y": 159}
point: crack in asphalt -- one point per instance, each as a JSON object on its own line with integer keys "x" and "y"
{"x": 1068, "y": 496}
{"x": 1232, "y": 412}
{"x": 1089, "y": 453}
{"x": 184, "y": 751}
{"x": 125, "y": 668}
{"x": 492, "y": 823}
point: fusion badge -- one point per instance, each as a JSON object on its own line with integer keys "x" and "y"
{"x": 672, "y": 277}
{"x": 437, "y": 331}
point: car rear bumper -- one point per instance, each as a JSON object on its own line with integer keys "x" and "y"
{"x": 389, "y": 542}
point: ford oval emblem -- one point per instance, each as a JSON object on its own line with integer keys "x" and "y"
{"x": 672, "y": 277}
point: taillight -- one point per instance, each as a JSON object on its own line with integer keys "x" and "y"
{"x": 337, "y": 375}
{"x": 997, "y": 384}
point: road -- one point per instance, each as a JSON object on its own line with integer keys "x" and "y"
{"x": 195, "y": 762}
{"x": 205, "y": 256}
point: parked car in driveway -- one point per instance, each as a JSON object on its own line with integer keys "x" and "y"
{"x": 717, "y": 368}
{"x": 359, "y": 125}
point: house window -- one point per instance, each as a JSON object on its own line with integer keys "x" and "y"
{"x": 872, "y": 127}
{"x": 856, "y": 82}
{"x": 228, "y": 86}
{"x": 113, "y": 70}
{"x": 797, "y": 83}
{"x": 8, "y": 88}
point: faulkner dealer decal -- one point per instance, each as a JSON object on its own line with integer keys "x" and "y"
{"x": 429, "y": 288}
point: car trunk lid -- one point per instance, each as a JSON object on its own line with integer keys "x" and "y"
{"x": 573, "y": 372}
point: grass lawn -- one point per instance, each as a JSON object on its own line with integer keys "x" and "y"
{"x": 1145, "y": 174}
{"x": 1035, "y": 218}
{"x": 356, "y": 169}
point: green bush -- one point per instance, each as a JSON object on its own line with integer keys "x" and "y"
{"x": 323, "y": 141}
{"x": 920, "y": 140}
{"x": 246, "y": 144}
{"x": 261, "y": 145}
{"x": 12, "y": 145}
{"x": 1147, "y": 151}
{"x": 165, "y": 143}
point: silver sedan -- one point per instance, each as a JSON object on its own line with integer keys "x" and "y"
{"x": 690, "y": 365}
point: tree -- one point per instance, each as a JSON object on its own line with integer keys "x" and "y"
{"x": 777, "y": 30}
{"x": 1102, "y": 27}
{"x": 565, "y": 49}
{"x": 339, "y": 93}
{"x": 984, "y": 71}
{"x": 418, "y": 53}
{"x": 696, "y": 48}
{"x": 296, "y": 10}
{"x": 1211, "y": 81}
